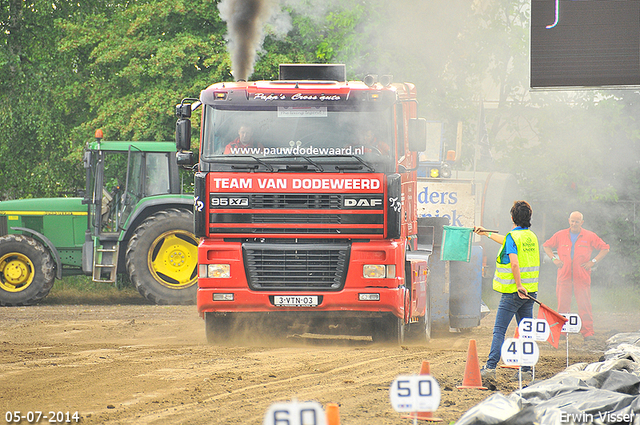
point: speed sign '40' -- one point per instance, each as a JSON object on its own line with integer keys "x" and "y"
{"x": 519, "y": 352}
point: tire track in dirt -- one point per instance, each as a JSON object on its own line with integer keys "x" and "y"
{"x": 367, "y": 369}
{"x": 151, "y": 364}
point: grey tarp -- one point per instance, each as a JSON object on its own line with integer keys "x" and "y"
{"x": 602, "y": 395}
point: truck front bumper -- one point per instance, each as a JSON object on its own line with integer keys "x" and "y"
{"x": 231, "y": 292}
{"x": 347, "y": 302}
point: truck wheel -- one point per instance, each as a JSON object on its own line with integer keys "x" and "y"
{"x": 26, "y": 270}
{"x": 162, "y": 258}
{"x": 218, "y": 327}
{"x": 427, "y": 319}
{"x": 421, "y": 330}
{"x": 389, "y": 329}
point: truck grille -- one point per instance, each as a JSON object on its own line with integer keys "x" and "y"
{"x": 297, "y": 218}
{"x": 299, "y": 214}
{"x": 257, "y": 218}
{"x": 296, "y": 201}
{"x": 296, "y": 267}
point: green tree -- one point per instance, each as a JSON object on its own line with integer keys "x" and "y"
{"x": 142, "y": 60}
{"x": 34, "y": 117}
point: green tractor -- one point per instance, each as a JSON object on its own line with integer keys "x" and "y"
{"x": 133, "y": 219}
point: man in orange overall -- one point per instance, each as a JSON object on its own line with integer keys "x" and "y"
{"x": 575, "y": 246}
{"x": 372, "y": 144}
{"x": 243, "y": 144}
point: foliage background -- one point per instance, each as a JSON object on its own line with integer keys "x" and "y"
{"x": 67, "y": 68}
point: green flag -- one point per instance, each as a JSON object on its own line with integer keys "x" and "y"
{"x": 456, "y": 243}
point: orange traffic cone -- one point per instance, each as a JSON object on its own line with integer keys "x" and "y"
{"x": 472, "y": 378}
{"x": 333, "y": 414}
{"x": 424, "y": 416}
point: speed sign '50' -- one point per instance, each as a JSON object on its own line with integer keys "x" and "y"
{"x": 415, "y": 393}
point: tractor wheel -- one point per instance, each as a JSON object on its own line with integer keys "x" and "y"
{"x": 26, "y": 270}
{"x": 162, "y": 258}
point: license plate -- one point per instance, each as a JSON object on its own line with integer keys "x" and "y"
{"x": 295, "y": 301}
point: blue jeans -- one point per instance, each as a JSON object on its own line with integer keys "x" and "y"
{"x": 510, "y": 305}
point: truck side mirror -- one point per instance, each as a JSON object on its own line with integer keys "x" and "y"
{"x": 183, "y": 134}
{"x": 417, "y": 134}
{"x": 183, "y": 110}
{"x": 185, "y": 159}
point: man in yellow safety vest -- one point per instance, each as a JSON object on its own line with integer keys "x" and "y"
{"x": 516, "y": 276}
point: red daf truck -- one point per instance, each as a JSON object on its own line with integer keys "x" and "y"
{"x": 305, "y": 203}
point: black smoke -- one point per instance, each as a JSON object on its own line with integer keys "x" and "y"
{"x": 245, "y": 22}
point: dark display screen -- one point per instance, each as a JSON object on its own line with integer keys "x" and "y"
{"x": 585, "y": 43}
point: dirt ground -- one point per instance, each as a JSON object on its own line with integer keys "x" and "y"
{"x": 142, "y": 364}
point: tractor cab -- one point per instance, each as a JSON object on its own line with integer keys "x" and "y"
{"x": 122, "y": 177}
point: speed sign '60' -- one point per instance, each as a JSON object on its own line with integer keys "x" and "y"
{"x": 295, "y": 413}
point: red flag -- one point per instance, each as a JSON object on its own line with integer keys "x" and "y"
{"x": 555, "y": 320}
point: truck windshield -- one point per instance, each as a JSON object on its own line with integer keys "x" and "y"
{"x": 299, "y": 131}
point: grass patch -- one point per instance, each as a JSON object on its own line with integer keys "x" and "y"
{"x": 618, "y": 299}
{"x": 621, "y": 298}
{"x": 82, "y": 290}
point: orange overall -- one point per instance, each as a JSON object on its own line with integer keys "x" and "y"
{"x": 572, "y": 276}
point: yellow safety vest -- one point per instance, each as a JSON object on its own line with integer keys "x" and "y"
{"x": 528, "y": 259}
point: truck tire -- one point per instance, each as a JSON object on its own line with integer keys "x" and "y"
{"x": 218, "y": 327}
{"x": 26, "y": 271}
{"x": 389, "y": 329}
{"x": 426, "y": 326}
{"x": 420, "y": 331}
{"x": 162, "y": 258}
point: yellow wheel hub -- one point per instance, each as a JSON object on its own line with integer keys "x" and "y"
{"x": 16, "y": 272}
{"x": 173, "y": 258}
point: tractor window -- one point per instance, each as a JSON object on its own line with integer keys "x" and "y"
{"x": 157, "y": 174}
{"x": 148, "y": 175}
{"x": 115, "y": 171}
{"x": 115, "y": 175}
{"x": 134, "y": 186}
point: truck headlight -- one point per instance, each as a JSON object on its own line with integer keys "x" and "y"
{"x": 214, "y": 271}
{"x": 378, "y": 271}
